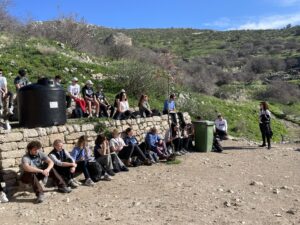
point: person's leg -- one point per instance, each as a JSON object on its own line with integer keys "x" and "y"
{"x": 33, "y": 179}
{"x": 139, "y": 153}
{"x": 58, "y": 180}
{"x": 68, "y": 100}
{"x": 176, "y": 143}
{"x": 10, "y": 97}
{"x": 105, "y": 162}
{"x": 126, "y": 152}
{"x": 89, "y": 106}
{"x": 173, "y": 118}
{"x": 82, "y": 166}
{"x": 263, "y": 134}
{"x": 103, "y": 110}
{"x": 64, "y": 172}
{"x": 97, "y": 107}
{"x": 112, "y": 111}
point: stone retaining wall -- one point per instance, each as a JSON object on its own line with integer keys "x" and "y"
{"x": 13, "y": 144}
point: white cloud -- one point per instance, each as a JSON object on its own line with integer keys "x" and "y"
{"x": 271, "y": 22}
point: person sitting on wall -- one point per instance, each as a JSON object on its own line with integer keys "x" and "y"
{"x": 82, "y": 155}
{"x": 145, "y": 109}
{"x": 116, "y": 102}
{"x": 102, "y": 154}
{"x": 63, "y": 163}
{"x": 131, "y": 141}
{"x": 57, "y": 80}
{"x": 74, "y": 93}
{"x": 221, "y": 127}
{"x": 103, "y": 102}
{"x": 123, "y": 109}
{"x": 5, "y": 95}
{"x": 3, "y": 197}
{"x": 156, "y": 144}
{"x": 37, "y": 166}
{"x": 90, "y": 98}
{"x": 21, "y": 80}
{"x": 170, "y": 108}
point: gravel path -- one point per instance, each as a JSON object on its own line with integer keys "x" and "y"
{"x": 243, "y": 185}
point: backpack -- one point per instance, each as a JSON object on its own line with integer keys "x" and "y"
{"x": 95, "y": 170}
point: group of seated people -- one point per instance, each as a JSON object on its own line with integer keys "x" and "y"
{"x": 87, "y": 98}
{"x": 111, "y": 154}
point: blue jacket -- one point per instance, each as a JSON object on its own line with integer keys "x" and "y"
{"x": 152, "y": 139}
{"x": 130, "y": 140}
{"x": 78, "y": 153}
{"x": 169, "y": 105}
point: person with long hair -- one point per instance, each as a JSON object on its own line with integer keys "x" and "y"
{"x": 144, "y": 107}
{"x": 123, "y": 109}
{"x": 81, "y": 154}
{"x": 265, "y": 124}
{"x": 172, "y": 139}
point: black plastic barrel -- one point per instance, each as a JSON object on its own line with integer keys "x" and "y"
{"x": 41, "y": 105}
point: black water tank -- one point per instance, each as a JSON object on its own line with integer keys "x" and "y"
{"x": 41, "y": 105}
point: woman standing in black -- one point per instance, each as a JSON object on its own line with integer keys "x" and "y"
{"x": 265, "y": 124}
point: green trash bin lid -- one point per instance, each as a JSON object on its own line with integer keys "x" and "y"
{"x": 204, "y": 122}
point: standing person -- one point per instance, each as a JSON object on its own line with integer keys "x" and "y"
{"x": 74, "y": 93}
{"x": 37, "y": 166}
{"x": 90, "y": 98}
{"x": 170, "y": 108}
{"x": 3, "y": 198}
{"x": 63, "y": 163}
{"x": 103, "y": 103}
{"x": 81, "y": 154}
{"x": 5, "y": 94}
{"x": 265, "y": 124}
{"x": 21, "y": 80}
{"x": 221, "y": 127}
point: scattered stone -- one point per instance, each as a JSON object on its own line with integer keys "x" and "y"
{"x": 276, "y": 191}
{"x": 256, "y": 183}
{"x": 227, "y": 204}
{"x": 278, "y": 215}
{"x": 291, "y": 211}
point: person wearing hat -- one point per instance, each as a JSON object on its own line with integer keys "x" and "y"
{"x": 90, "y": 98}
{"x": 74, "y": 93}
{"x": 103, "y": 103}
{"x": 221, "y": 127}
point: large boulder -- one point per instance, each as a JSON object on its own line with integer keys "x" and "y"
{"x": 118, "y": 39}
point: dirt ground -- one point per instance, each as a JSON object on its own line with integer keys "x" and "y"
{"x": 243, "y": 185}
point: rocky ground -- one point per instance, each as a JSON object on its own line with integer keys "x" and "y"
{"x": 243, "y": 185}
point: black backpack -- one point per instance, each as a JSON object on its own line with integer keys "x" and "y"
{"x": 95, "y": 170}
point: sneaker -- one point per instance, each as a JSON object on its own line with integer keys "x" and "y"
{"x": 3, "y": 198}
{"x": 110, "y": 172}
{"x": 64, "y": 189}
{"x": 182, "y": 152}
{"x": 89, "y": 182}
{"x": 73, "y": 184}
{"x": 178, "y": 154}
{"x": 147, "y": 162}
{"x": 11, "y": 110}
{"x": 124, "y": 169}
{"x": 263, "y": 145}
{"x": 106, "y": 177}
{"x": 77, "y": 182}
{"x": 40, "y": 198}
{"x": 7, "y": 126}
{"x": 269, "y": 147}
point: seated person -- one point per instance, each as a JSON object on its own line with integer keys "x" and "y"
{"x": 5, "y": 95}
{"x": 118, "y": 146}
{"x": 102, "y": 154}
{"x": 57, "y": 80}
{"x": 82, "y": 155}
{"x": 156, "y": 144}
{"x": 90, "y": 98}
{"x": 104, "y": 104}
{"x": 74, "y": 93}
{"x": 63, "y": 163}
{"x": 123, "y": 110}
{"x": 37, "y": 166}
{"x": 131, "y": 141}
{"x": 21, "y": 80}
{"x": 3, "y": 198}
{"x": 221, "y": 127}
{"x": 173, "y": 139}
{"x": 144, "y": 107}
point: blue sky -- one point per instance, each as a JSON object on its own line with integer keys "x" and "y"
{"x": 203, "y": 14}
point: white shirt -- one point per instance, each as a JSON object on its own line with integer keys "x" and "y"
{"x": 221, "y": 124}
{"x": 3, "y": 83}
{"x": 124, "y": 106}
{"x": 117, "y": 142}
{"x": 264, "y": 112}
{"x": 74, "y": 90}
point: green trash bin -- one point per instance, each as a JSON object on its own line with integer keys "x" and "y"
{"x": 204, "y": 134}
